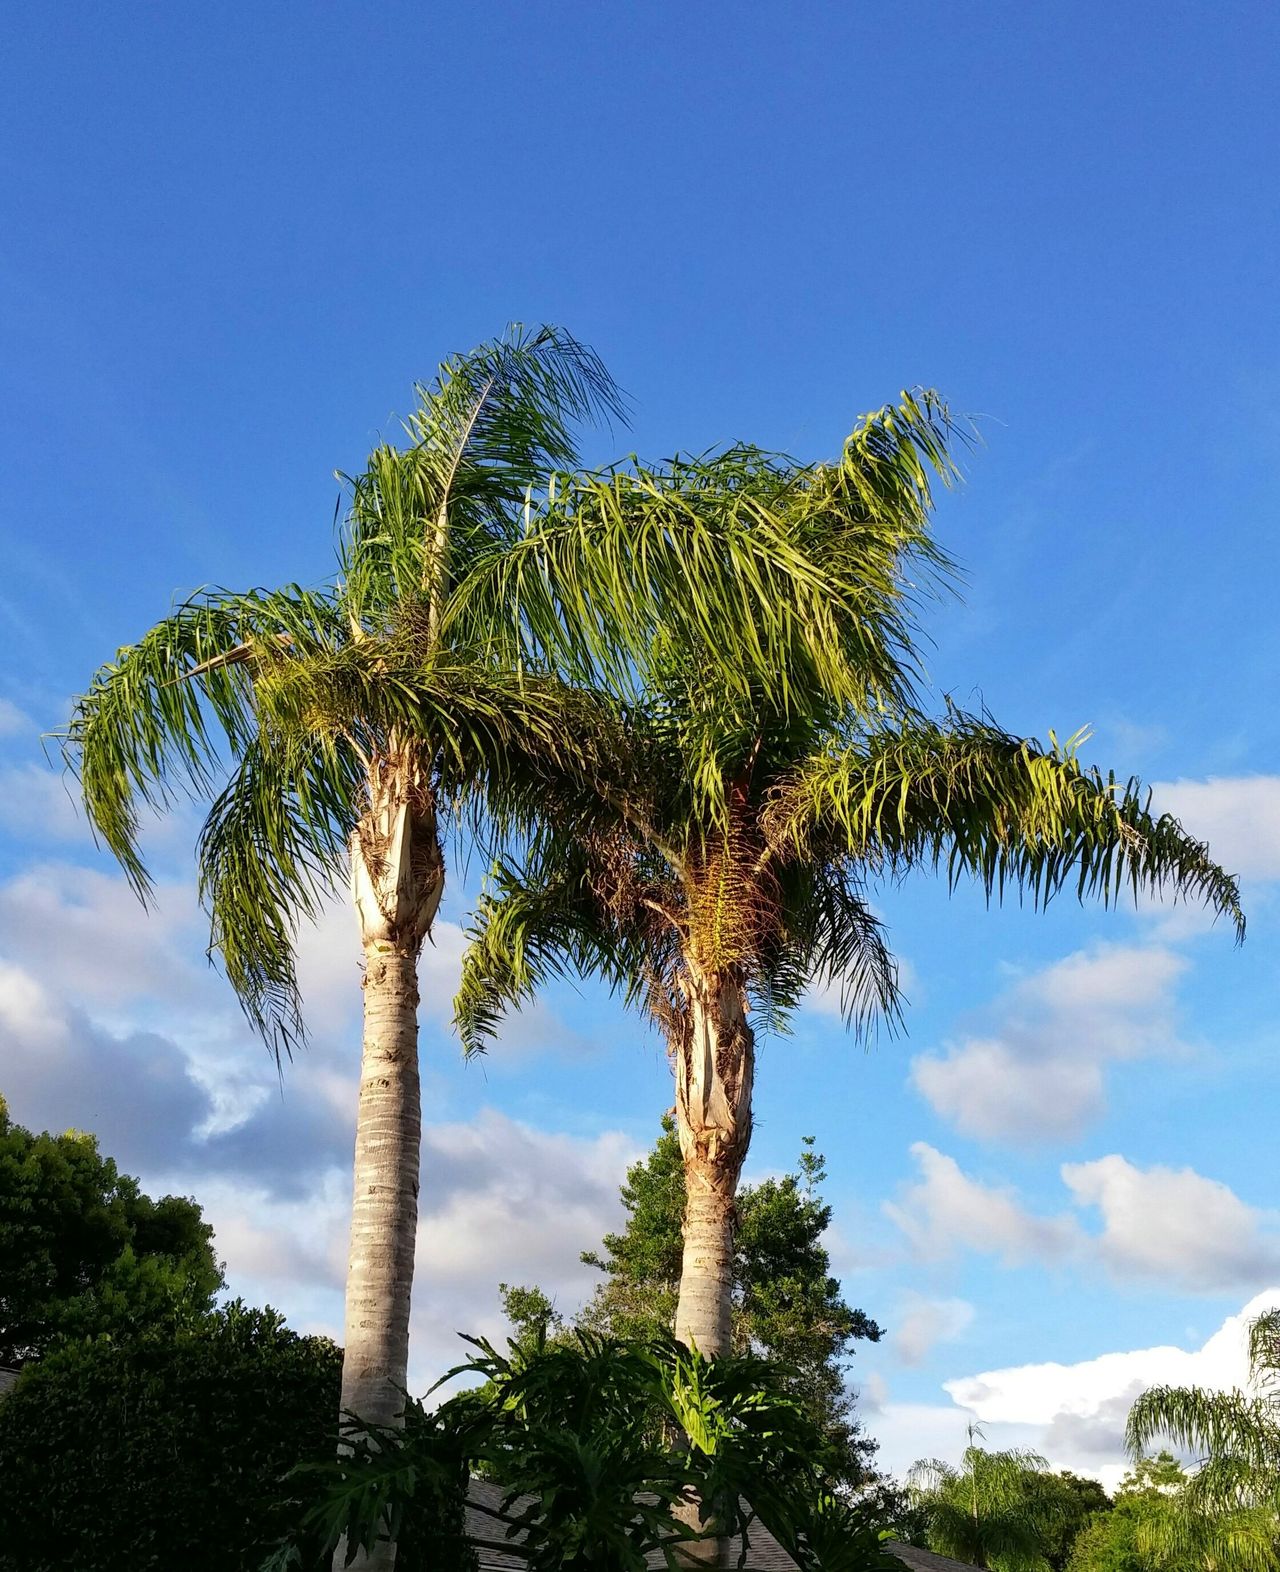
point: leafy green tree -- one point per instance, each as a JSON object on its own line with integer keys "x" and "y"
{"x": 1160, "y": 1523}
{"x": 283, "y": 711}
{"x": 164, "y": 1450}
{"x": 718, "y": 862}
{"x": 351, "y": 716}
{"x": 1080, "y": 1499}
{"x": 996, "y": 1510}
{"x": 83, "y": 1252}
{"x": 787, "y": 1306}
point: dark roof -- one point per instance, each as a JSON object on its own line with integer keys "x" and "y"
{"x": 765, "y": 1554}
{"x": 924, "y": 1560}
{"x": 7, "y": 1378}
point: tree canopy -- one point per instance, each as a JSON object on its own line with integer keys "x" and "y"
{"x": 84, "y": 1252}
{"x": 788, "y": 1306}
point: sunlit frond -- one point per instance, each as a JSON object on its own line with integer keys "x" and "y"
{"x": 968, "y": 797}
{"x": 164, "y": 716}
{"x": 272, "y": 849}
{"x": 491, "y": 425}
{"x": 772, "y": 575}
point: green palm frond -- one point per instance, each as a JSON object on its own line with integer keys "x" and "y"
{"x": 162, "y": 717}
{"x": 492, "y": 424}
{"x": 530, "y": 927}
{"x": 965, "y": 795}
{"x": 771, "y": 573}
{"x": 270, "y": 853}
{"x": 829, "y": 938}
{"x": 1211, "y": 1424}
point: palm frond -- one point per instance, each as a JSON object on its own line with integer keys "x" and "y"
{"x": 164, "y": 716}
{"x": 491, "y": 425}
{"x": 531, "y": 926}
{"x": 272, "y": 849}
{"x": 772, "y": 574}
{"x": 1210, "y": 1424}
{"x": 965, "y": 795}
{"x": 830, "y": 937}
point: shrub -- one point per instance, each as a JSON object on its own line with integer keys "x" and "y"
{"x": 167, "y": 1450}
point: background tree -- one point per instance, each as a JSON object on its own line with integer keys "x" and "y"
{"x": 995, "y": 1510}
{"x": 1232, "y": 1493}
{"x": 787, "y": 1307}
{"x": 1158, "y": 1525}
{"x": 83, "y": 1252}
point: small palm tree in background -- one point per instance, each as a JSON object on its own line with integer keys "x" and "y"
{"x": 717, "y": 862}
{"x": 995, "y": 1510}
{"x": 1227, "y": 1515}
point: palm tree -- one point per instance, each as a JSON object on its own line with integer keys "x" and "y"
{"x": 993, "y": 1511}
{"x": 1229, "y": 1508}
{"x": 296, "y": 697}
{"x": 717, "y": 863}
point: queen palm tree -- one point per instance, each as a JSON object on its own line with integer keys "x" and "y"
{"x": 718, "y": 862}
{"x": 280, "y": 710}
{"x": 1227, "y": 1515}
{"x": 993, "y": 1511}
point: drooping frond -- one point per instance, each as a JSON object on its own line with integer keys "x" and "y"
{"x": 532, "y": 926}
{"x": 771, "y": 575}
{"x": 493, "y": 423}
{"x": 272, "y": 849}
{"x": 166, "y": 713}
{"x": 829, "y": 939}
{"x": 1210, "y": 1424}
{"x": 967, "y": 796}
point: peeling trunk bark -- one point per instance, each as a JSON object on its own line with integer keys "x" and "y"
{"x": 397, "y": 878}
{"x": 714, "y": 1070}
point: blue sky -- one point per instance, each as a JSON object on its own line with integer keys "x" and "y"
{"x": 234, "y": 237}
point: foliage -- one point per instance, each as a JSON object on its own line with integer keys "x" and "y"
{"x": 787, "y": 1305}
{"x": 1228, "y": 1509}
{"x": 164, "y": 1451}
{"x": 1078, "y": 1501}
{"x": 283, "y": 710}
{"x": 591, "y": 1443}
{"x": 996, "y": 1510}
{"x": 83, "y": 1252}
{"x": 1158, "y": 1524}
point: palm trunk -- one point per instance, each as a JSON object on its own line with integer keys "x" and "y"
{"x": 714, "y": 1067}
{"x": 397, "y": 876}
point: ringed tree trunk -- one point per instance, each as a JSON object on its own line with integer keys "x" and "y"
{"x": 397, "y": 879}
{"x": 714, "y": 1069}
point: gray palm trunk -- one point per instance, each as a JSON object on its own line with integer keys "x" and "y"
{"x": 397, "y": 879}
{"x": 714, "y": 1061}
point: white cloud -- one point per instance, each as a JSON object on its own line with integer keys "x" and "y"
{"x": 946, "y": 1210}
{"x": 924, "y": 1323}
{"x": 1239, "y": 816}
{"x": 38, "y": 804}
{"x": 1041, "y": 1072}
{"x": 13, "y": 721}
{"x": 1172, "y": 1227}
{"x": 1175, "y": 1226}
{"x": 1078, "y": 1411}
